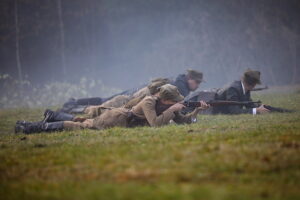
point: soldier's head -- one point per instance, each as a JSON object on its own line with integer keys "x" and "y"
{"x": 155, "y": 85}
{"x": 250, "y": 79}
{"x": 169, "y": 94}
{"x": 194, "y": 78}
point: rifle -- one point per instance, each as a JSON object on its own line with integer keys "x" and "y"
{"x": 259, "y": 89}
{"x": 276, "y": 109}
{"x": 194, "y": 104}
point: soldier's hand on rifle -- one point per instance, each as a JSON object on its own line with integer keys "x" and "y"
{"x": 177, "y": 107}
{"x": 204, "y": 105}
{"x": 261, "y": 109}
{"x": 79, "y": 119}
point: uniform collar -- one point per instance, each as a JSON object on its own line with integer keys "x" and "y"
{"x": 244, "y": 91}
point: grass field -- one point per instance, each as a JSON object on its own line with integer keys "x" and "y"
{"x": 220, "y": 157}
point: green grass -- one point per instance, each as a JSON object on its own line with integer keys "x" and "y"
{"x": 220, "y": 157}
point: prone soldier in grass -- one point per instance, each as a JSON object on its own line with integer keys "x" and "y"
{"x": 238, "y": 91}
{"x": 185, "y": 83}
{"x": 155, "y": 110}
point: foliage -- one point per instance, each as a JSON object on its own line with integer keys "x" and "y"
{"x": 140, "y": 39}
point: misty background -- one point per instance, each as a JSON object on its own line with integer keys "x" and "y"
{"x": 125, "y": 43}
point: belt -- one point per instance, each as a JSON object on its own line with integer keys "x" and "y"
{"x": 133, "y": 120}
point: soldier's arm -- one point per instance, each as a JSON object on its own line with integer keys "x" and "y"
{"x": 252, "y": 105}
{"x": 151, "y": 116}
{"x": 232, "y": 95}
{"x": 190, "y": 117}
{"x": 183, "y": 119}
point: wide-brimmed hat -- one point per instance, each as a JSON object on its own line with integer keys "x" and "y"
{"x": 195, "y": 75}
{"x": 252, "y": 77}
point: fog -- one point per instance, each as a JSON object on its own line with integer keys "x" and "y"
{"x": 125, "y": 43}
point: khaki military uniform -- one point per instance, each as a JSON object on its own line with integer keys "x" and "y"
{"x": 70, "y": 125}
{"x": 145, "y": 111}
{"x": 116, "y": 102}
{"x": 142, "y": 92}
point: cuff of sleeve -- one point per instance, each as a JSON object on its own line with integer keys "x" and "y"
{"x": 169, "y": 114}
{"x": 193, "y": 119}
{"x": 254, "y": 111}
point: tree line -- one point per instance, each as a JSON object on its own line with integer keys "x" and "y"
{"x": 53, "y": 40}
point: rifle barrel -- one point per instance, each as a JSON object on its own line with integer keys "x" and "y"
{"x": 194, "y": 104}
{"x": 259, "y": 89}
{"x": 219, "y": 103}
{"x": 276, "y": 109}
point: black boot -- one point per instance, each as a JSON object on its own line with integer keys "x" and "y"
{"x": 22, "y": 123}
{"x": 20, "y": 126}
{"x": 28, "y": 127}
{"x": 51, "y": 116}
{"x": 37, "y": 127}
{"x": 53, "y": 126}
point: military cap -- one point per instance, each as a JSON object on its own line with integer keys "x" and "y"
{"x": 195, "y": 75}
{"x": 170, "y": 92}
{"x": 166, "y": 80}
{"x": 155, "y": 85}
{"x": 252, "y": 77}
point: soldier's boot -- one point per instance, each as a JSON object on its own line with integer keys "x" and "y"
{"x": 52, "y": 116}
{"x": 37, "y": 127}
{"x": 23, "y": 126}
{"x": 22, "y": 122}
{"x": 20, "y": 126}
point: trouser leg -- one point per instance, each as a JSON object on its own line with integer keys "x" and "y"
{"x": 54, "y": 116}
{"x": 90, "y": 101}
{"x": 69, "y": 125}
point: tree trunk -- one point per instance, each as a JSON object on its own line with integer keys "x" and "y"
{"x": 18, "y": 61}
{"x": 62, "y": 37}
